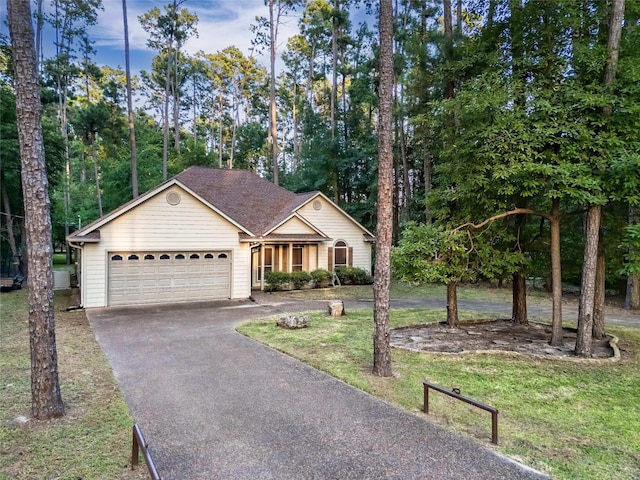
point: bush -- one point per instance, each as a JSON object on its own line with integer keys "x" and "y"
{"x": 321, "y": 278}
{"x": 299, "y": 279}
{"x": 276, "y": 281}
{"x": 353, "y": 276}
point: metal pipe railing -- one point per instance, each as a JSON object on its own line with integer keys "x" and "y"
{"x": 455, "y": 393}
{"x": 138, "y": 444}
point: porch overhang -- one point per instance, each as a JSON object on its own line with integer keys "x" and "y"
{"x": 91, "y": 237}
{"x": 284, "y": 238}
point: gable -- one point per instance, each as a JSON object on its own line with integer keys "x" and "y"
{"x": 170, "y": 218}
{"x": 294, "y": 225}
{"x": 330, "y": 219}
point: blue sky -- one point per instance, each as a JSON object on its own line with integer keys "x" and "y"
{"x": 222, "y": 23}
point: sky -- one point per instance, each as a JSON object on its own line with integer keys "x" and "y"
{"x": 221, "y": 23}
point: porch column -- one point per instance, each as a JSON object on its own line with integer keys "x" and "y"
{"x": 290, "y": 257}
{"x": 261, "y": 267}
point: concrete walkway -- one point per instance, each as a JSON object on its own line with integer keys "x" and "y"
{"x": 214, "y": 404}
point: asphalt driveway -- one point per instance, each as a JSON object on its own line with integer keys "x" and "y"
{"x": 214, "y": 404}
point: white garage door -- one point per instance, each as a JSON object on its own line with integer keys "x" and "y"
{"x": 137, "y": 278}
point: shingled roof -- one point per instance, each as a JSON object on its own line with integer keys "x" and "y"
{"x": 253, "y": 202}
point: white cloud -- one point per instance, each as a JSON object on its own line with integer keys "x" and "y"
{"x": 221, "y": 23}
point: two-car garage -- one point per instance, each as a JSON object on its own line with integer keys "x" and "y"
{"x": 136, "y": 278}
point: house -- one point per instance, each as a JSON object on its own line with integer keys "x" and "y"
{"x": 212, "y": 234}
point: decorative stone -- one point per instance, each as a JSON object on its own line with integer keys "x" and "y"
{"x": 292, "y": 322}
{"x": 336, "y": 308}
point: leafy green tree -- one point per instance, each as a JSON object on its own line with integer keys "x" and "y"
{"x": 168, "y": 31}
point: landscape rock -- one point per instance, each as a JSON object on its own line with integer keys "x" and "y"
{"x": 293, "y": 321}
{"x": 20, "y": 420}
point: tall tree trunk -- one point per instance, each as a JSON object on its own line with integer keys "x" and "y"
{"x": 334, "y": 65}
{"x": 452, "y": 305}
{"x": 632, "y": 298}
{"x": 556, "y": 276}
{"x": 195, "y": 113}
{"x": 296, "y": 135}
{"x": 273, "y": 129}
{"x": 519, "y": 311}
{"x": 599, "y": 295}
{"x": 382, "y": 280}
{"x": 594, "y": 213}
{"x": 165, "y": 125}
{"x": 176, "y": 101}
{"x": 39, "y": 26}
{"x": 46, "y": 400}
{"x": 64, "y": 132}
{"x": 94, "y": 156}
{"x": 132, "y": 130}
{"x": 167, "y": 91}
{"x": 449, "y": 89}
{"x": 588, "y": 284}
{"x": 220, "y": 130}
{"x": 427, "y": 175}
{"x": 9, "y": 218}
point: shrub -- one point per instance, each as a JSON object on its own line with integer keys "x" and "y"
{"x": 299, "y": 279}
{"x": 353, "y": 276}
{"x": 276, "y": 281}
{"x": 284, "y": 281}
{"x": 321, "y": 278}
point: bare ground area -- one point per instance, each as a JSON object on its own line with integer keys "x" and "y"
{"x": 495, "y": 335}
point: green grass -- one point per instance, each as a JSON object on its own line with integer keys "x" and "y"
{"x": 93, "y": 439}
{"x": 572, "y": 420}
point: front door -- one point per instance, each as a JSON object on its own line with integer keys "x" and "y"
{"x": 258, "y": 267}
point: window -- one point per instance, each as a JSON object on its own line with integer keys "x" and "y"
{"x": 340, "y": 253}
{"x": 296, "y": 258}
{"x": 194, "y": 256}
{"x": 179, "y": 256}
{"x": 164, "y": 256}
{"x": 133, "y": 257}
{"x": 208, "y": 256}
{"x": 268, "y": 259}
{"x": 222, "y": 255}
{"x": 149, "y": 257}
{"x": 116, "y": 258}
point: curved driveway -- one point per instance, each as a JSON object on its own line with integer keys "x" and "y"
{"x": 214, "y": 404}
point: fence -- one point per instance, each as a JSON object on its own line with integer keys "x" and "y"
{"x": 455, "y": 393}
{"x": 139, "y": 444}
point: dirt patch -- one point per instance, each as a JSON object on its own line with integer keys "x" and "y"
{"x": 494, "y": 335}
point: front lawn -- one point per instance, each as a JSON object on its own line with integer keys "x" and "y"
{"x": 570, "y": 419}
{"x": 93, "y": 439}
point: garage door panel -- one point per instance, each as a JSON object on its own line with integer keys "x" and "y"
{"x": 151, "y": 277}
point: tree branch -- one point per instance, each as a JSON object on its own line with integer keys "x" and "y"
{"x": 515, "y": 211}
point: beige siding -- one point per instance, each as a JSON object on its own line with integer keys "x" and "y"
{"x": 337, "y": 226}
{"x": 156, "y": 226}
{"x": 294, "y": 225}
